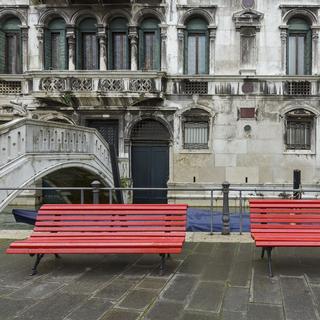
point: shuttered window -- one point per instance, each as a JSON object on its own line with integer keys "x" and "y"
{"x": 119, "y": 45}
{"x": 149, "y": 45}
{"x": 87, "y": 45}
{"x": 10, "y": 47}
{"x": 299, "y": 130}
{"x": 196, "y": 47}
{"x": 55, "y": 46}
{"x": 299, "y": 47}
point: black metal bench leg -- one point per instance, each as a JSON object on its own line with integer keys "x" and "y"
{"x": 269, "y": 249}
{"x": 163, "y": 259}
{"x": 262, "y": 252}
{"x": 168, "y": 256}
{"x": 38, "y": 259}
{"x": 57, "y": 256}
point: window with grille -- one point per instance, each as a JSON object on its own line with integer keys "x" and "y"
{"x": 195, "y": 129}
{"x": 299, "y": 88}
{"x": 195, "y": 87}
{"x": 299, "y": 130}
{"x": 299, "y": 47}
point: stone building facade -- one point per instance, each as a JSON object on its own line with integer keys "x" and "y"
{"x": 189, "y": 92}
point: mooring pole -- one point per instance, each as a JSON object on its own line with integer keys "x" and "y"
{"x": 296, "y": 183}
{"x": 95, "y": 191}
{"x": 225, "y": 211}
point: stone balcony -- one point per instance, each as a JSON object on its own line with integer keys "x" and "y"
{"x": 97, "y": 83}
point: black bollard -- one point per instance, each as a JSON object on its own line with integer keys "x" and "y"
{"x": 225, "y": 210}
{"x": 296, "y": 183}
{"x": 95, "y": 191}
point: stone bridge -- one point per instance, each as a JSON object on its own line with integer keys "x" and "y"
{"x": 31, "y": 149}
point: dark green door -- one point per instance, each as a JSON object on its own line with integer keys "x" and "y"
{"x": 150, "y": 169}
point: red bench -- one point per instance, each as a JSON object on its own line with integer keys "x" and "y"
{"x": 105, "y": 228}
{"x": 284, "y": 223}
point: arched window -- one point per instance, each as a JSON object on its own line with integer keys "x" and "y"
{"x": 55, "y": 46}
{"x": 87, "y": 45}
{"x": 299, "y": 47}
{"x": 119, "y": 45}
{"x": 149, "y": 45}
{"x": 299, "y": 129}
{"x": 195, "y": 125}
{"x": 10, "y": 46}
{"x": 196, "y": 47}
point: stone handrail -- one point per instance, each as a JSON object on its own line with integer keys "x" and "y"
{"x": 26, "y": 136}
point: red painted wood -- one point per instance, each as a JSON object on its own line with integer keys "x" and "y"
{"x": 106, "y": 229}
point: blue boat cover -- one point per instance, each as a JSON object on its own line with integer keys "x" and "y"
{"x": 25, "y": 216}
{"x": 200, "y": 220}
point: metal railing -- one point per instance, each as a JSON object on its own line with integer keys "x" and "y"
{"x": 225, "y": 194}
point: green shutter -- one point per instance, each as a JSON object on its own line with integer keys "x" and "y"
{"x": 2, "y": 52}
{"x": 157, "y": 51}
{"x": 79, "y": 50}
{"x": 47, "y": 50}
{"x": 63, "y": 50}
{"x": 308, "y": 53}
{"x": 141, "y": 49}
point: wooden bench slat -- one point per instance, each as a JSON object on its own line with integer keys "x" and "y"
{"x": 108, "y": 223}
{"x": 95, "y": 250}
{"x": 108, "y": 234}
{"x": 111, "y": 217}
{"x": 112, "y": 212}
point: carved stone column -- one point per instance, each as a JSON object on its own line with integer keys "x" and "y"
{"x": 25, "y": 55}
{"x": 102, "y": 34}
{"x": 181, "y": 41}
{"x": 40, "y": 36}
{"x": 212, "y": 49}
{"x": 71, "y": 47}
{"x": 133, "y": 36}
{"x": 315, "y": 51}
{"x": 163, "y": 57}
{"x": 284, "y": 39}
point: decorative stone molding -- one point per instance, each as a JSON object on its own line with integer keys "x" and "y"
{"x": 20, "y": 13}
{"x": 248, "y": 18}
{"x": 139, "y": 13}
{"x": 111, "y": 85}
{"x": 133, "y": 36}
{"x": 47, "y": 15}
{"x": 206, "y": 12}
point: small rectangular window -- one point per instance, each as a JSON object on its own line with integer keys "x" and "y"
{"x": 196, "y": 135}
{"x": 247, "y": 113}
{"x": 298, "y": 134}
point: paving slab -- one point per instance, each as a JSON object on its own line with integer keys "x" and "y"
{"x": 179, "y": 288}
{"x": 152, "y": 283}
{"x": 164, "y": 310}
{"x": 55, "y": 307}
{"x": 236, "y": 299}
{"x": 199, "y": 316}
{"x": 207, "y": 297}
{"x": 92, "y": 309}
{"x": 120, "y": 314}
{"x": 234, "y": 315}
{"x": 264, "y": 312}
{"x": 296, "y": 307}
{"x": 11, "y": 308}
{"x": 138, "y": 299}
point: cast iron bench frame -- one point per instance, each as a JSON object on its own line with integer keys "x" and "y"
{"x": 284, "y": 223}
{"x": 105, "y": 228}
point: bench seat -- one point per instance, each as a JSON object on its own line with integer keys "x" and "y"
{"x": 105, "y": 229}
{"x": 284, "y": 223}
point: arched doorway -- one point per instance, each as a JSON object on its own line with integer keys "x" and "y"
{"x": 150, "y": 160}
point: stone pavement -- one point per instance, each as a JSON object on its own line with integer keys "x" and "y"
{"x": 207, "y": 281}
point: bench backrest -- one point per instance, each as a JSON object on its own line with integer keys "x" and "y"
{"x": 279, "y": 214}
{"x": 116, "y": 219}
